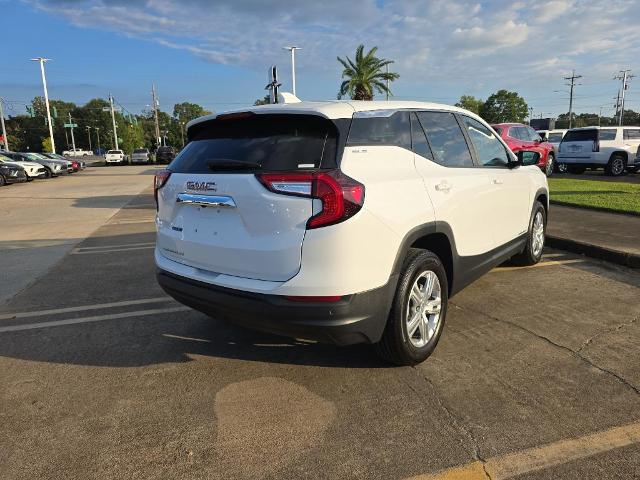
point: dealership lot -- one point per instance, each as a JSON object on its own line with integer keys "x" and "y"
{"x": 537, "y": 374}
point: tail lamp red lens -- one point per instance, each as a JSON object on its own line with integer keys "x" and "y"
{"x": 342, "y": 196}
{"x": 159, "y": 180}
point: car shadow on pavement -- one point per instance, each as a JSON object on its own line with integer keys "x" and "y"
{"x": 143, "y": 201}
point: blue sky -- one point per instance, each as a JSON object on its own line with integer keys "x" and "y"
{"x": 217, "y": 53}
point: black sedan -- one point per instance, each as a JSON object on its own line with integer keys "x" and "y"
{"x": 11, "y": 174}
{"x": 165, "y": 154}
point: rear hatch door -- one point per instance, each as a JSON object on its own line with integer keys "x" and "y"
{"x": 214, "y": 213}
{"x": 579, "y": 144}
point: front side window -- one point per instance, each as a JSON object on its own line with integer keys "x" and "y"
{"x": 490, "y": 151}
{"x": 632, "y": 134}
{"x": 418, "y": 139}
{"x": 446, "y": 138}
{"x": 381, "y": 128}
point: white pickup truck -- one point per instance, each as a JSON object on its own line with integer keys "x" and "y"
{"x": 78, "y": 152}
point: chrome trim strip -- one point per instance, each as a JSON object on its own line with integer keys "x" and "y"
{"x": 206, "y": 200}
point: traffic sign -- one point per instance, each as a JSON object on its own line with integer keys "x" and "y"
{"x": 108, "y": 109}
{"x": 70, "y": 125}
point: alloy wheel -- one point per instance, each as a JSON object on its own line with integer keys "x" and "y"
{"x": 424, "y": 305}
{"x": 537, "y": 234}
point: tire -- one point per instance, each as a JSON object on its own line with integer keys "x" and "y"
{"x": 575, "y": 169}
{"x": 532, "y": 252}
{"x": 47, "y": 173}
{"x": 397, "y": 345}
{"x": 3, "y": 182}
{"x": 550, "y": 166}
{"x": 562, "y": 168}
{"x": 29, "y": 179}
{"x": 617, "y": 165}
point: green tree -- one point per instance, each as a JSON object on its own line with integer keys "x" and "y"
{"x": 365, "y": 75}
{"x": 471, "y": 103}
{"x": 46, "y": 145}
{"x": 185, "y": 111}
{"x": 504, "y": 106}
{"x": 266, "y": 100}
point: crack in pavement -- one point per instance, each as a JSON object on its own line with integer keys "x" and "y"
{"x": 466, "y": 432}
{"x": 575, "y": 353}
{"x": 589, "y": 340}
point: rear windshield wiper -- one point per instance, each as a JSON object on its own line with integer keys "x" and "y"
{"x": 227, "y": 164}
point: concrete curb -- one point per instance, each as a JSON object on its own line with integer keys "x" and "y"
{"x": 614, "y": 256}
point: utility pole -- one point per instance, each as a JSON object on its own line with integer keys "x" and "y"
{"x": 42, "y": 60}
{"x": 573, "y": 83}
{"x": 73, "y": 140}
{"x": 625, "y": 76}
{"x": 155, "y": 113}
{"x": 531, "y": 115}
{"x": 89, "y": 137}
{"x": 113, "y": 119}
{"x": 182, "y": 133}
{"x": 600, "y": 117}
{"x": 4, "y": 130}
{"x": 293, "y": 49}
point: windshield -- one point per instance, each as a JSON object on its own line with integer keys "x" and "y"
{"x": 274, "y": 142}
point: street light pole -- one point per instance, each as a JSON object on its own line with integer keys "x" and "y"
{"x": 98, "y": 135}
{"x": 293, "y": 49}
{"x": 89, "y": 137}
{"x": 42, "y": 60}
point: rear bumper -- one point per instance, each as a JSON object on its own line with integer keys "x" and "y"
{"x": 358, "y": 318}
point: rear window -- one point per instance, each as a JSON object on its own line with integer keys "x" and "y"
{"x": 115, "y": 152}
{"x": 381, "y": 128}
{"x": 632, "y": 134}
{"x": 251, "y": 142}
{"x": 581, "y": 136}
{"x": 140, "y": 150}
{"x": 498, "y": 130}
{"x": 608, "y": 134}
{"x": 554, "y": 137}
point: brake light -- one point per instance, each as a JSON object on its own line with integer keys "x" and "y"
{"x": 596, "y": 146}
{"x": 342, "y": 196}
{"x": 159, "y": 180}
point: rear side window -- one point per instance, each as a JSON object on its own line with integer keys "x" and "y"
{"x": 446, "y": 138}
{"x": 499, "y": 130}
{"x": 490, "y": 152}
{"x": 581, "y": 136}
{"x": 608, "y": 134}
{"x": 251, "y": 142}
{"x": 381, "y": 128}
{"x": 632, "y": 134}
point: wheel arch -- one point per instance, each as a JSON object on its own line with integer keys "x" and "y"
{"x": 620, "y": 152}
{"x": 542, "y": 196}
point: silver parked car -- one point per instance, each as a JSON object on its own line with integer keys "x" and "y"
{"x": 141, "y": 155}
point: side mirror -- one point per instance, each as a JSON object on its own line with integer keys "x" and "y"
{"x": 526, "y": 157}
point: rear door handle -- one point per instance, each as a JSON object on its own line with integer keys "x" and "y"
{"x": 443, "y": 187}
{"x": 497, "y": 181}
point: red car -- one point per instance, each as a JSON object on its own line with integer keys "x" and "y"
{"x": 523, "y": 137}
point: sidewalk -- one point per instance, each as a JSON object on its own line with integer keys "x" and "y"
{"x": 608, "y": 236}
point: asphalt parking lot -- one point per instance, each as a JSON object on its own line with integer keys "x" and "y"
{"x": 537, "y": 375}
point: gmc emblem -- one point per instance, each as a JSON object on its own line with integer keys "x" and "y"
{"x": 202, "y": 186}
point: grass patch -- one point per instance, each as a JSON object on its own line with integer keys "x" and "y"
{"x": 614, "y": 196}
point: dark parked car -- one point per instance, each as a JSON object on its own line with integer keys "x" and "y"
{"x": 11, "y": 174}
{"x": 165, "y": 154}
{"x": 77, "y": 164}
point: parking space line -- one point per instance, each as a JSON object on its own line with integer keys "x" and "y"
{"x": 95, "y": 306}
{"x": 539, "y": 458}
{"x": 549, "y": 263}
{"x": 95, "y": 318}
{"x": 140, "y": 244}
{"x": 110, "y": 250}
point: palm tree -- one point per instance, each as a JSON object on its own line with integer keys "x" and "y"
{"x": 365, "y": 75}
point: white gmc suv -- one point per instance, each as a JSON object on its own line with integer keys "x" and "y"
{"x": 345, "y": 222}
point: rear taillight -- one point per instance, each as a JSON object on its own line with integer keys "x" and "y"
{"x": 159, "y": 180}
{"x": 342, "y": 197}
{"x": 596, "y": 146}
